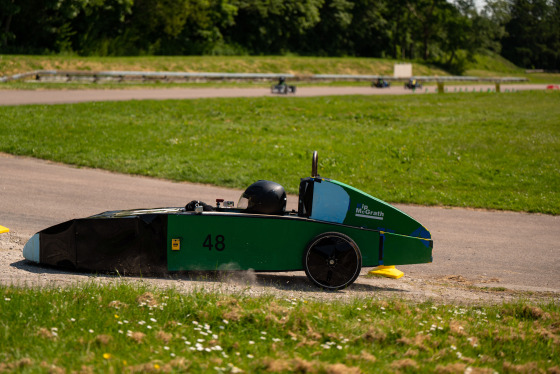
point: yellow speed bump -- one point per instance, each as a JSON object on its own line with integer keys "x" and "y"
{"x": 4, "y": 229}
{"x": 386, "y": 271}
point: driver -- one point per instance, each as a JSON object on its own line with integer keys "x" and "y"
{"x": 263, "y": 197}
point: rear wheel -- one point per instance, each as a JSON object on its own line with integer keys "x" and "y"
{"x": 332, "y": 260}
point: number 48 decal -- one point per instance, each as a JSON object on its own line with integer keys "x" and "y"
{"x": 218, "y": 244}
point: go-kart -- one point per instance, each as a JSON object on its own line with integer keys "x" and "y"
{"x": 336, "y": 230}
{"x": 381, "y": 83}
{"x": 413, "y": 84}
{"x": 282, "y": 87}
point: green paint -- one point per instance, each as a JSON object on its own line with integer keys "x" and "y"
{"x": 263, "y": 243}
{"x": 369, "y": 212}
{"x": 404, "y": 250}
{"x": 233, "y": 241}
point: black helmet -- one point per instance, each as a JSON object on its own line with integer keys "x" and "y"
{"x": 263, "y": 197}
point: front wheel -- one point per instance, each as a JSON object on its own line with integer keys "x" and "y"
{"x": 332, "y": 261}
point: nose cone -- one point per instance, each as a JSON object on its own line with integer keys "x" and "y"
{"x": 31, "y": 249}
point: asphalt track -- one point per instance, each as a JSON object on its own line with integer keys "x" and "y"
{"x": 506, "y": 249}
{"x": 20, "y": 97}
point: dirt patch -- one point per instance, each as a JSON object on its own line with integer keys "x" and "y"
{"x": 11, "y": 241}
{"x": 451, "y": 289}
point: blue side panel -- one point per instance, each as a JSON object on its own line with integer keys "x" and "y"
{"x": 421, "y": 232}
{"x": 330, "y": 202}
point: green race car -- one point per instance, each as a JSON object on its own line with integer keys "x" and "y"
{"x": 336, "y": 230}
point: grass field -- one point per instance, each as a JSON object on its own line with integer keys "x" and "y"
{"x": 13, "y": 64}
{"x": 155, "y": 84}
{"x": 123, "y": 328}
{"x": 473, "y": 150}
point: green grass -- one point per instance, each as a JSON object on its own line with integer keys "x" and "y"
{"x": 116, "y": 328}
{"x": 14, "y": 64}
{"x": 108, "y": 85}
{"x": 491, "y": 65}
{"x": 483, "y": 150}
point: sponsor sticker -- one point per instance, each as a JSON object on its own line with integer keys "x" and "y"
{"x": 363, "y": 211}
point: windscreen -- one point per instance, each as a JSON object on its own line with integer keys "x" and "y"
{"x": 243, "y": 202}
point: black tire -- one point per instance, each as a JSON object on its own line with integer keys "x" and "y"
{"x": 332, "y": 261}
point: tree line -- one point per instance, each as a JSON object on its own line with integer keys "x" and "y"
{"x": 449, "y": 34}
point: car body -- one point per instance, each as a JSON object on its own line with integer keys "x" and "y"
{"x": 336, "y": 230}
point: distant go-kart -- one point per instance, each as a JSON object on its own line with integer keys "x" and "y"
{"x": 282, "y": 87}
{"x": 413, "y": 84}
{"x": 381, "y": 83}
{"x": 336, "y": 231}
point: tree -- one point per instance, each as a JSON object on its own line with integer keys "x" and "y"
{"x": 400, "y": 29}
{"x": 272, "y": 26}
{"x": 50, "y": 29}
{"x": 101, "y": 27}
{"x": 370, "y": 29}
{"x": 530, "y": 32}
{"x": 8, "y": 9}
{"x": 176, "y": 27}
{"x": 428, "y": 18}
{"x": 489, "y": 26}
{"x": 331, "y": 35}
{"x": 458, "y": 42}
{"x": 552, "y": 58}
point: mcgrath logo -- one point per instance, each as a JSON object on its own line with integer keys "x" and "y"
{"x": 363, "y": 211}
